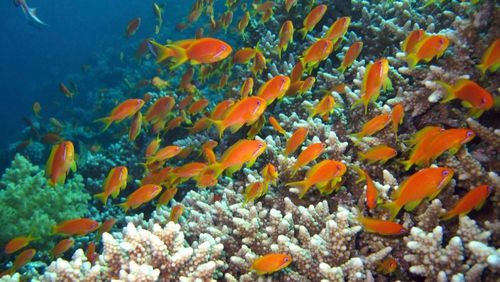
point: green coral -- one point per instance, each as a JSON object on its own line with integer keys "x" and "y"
{"x": 29, "y": 205}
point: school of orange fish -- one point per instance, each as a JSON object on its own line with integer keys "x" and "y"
{"x": 211, "y": 56}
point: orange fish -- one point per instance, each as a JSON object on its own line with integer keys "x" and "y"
{"x": 76, "y": 227}
{"x": 200, "y": 125}
{"x": 381, "y": 227}
{"x": 298, "y": 137}
{"x": 321, "y": 175}
{"x": 90, "y": 253}
{"x": 114, "y": 183}
{"x": 337, "y": 30}
{"x": 106, "y": 226}
{"x": 152, "y": 147}
{"x": 449, "y": 140}
{"x": 165, "y": 153}
{"x": 51, "y": 138}
{"x": 285, "y": 36}
{"x": 61, "y": 247}
{"x": 307, "y": 85}
{"x": 143, "y": 49}
{"x": 22, "y": 259}
{"x": 132, "y": 27}
{"x": 350, "y": 56}
{"x": 316, "y": 53}
{"x": 124, "y": 110}
{"x": 166, "y": 196}
{"x": 491, "y": 58}
{"x": 270, "y": 174}
{"x": 374, "y": 78}
{"x": 141, "y": 196}
{"x": 275, "y": 124}
{"x": 289, "y": 4}
{"x": 273, "y": 89}
{"x": 157, "y": 176}
{"x": 253, "y": 191}
{"x": 64, "y": 90}
{"x": 189, "y": 170}
{"x": 424, "y": 133}
{"x": 205, "y": 50}
{"x": 380, "y": 153}
{"x": 259, "y": 63}
{"x": 197, "y": 106}
{"x": 18, "y": 243}
{"x": 387, "y": 266}
{"x": 308, "y": 155}
{"x": 159, "y": 83}
{"x": 243, "y": 23}
{"x": 425, "y": 183}
{"x": 246, "y": 88}
{"x": 323, "y": 108}
{"x": 373, "y": 126}
{"x": 36, "y": 109}
{"x": 160, "y": 109}
{"x": 61, "y": 160}
{"x": 245, "y": 111}
{"x": 271, "y": 263}
{"x": 397, "y": 115}
{"x": 135, "y": 127}
{"x": 428, "y": 48}
{"x": 187, "y": 86}
{"x": 408, "y": 45}
{"x": 297, "y": 71}
{"x": 371, "y": 190}
{"x": 474, "y": 199}
{"x": 243, "y": 56}
{"x": 174, "y": 123}
{"x": 420, "y": 141}
{"x": 176, "y": 213}
{"x": 312, "y": 19}
{"x": 221, "y": 108}
{"x": 470, "y": 93}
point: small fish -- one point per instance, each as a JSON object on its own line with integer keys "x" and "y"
{"x": 90, "y": 253}
{"x": 245, "y": 111}
{"x": 270, "y": 174}
{"x": 397, "y": 115}
{"x": 298, "y": 137}
{"x": 106, "y": 226}
{"x": 127, "y": 108}
{"x": 157, "y": 176}
{"x": 164, "y": 154}
{"x": 309, "y": 154}
{"x": 373, "y": 126}
{"x": 114, "y": 183}
{"x": 285, "y": 36}
{"x": 22, "y": 259}
{"x": 259, "y": 63}
{"x": 166, "y": 196}
{"x": 380, "y": 153}
{"x": 159, "y": 83}
{"x": 132, "y": 27}
{"x": 408, "y": 45}
{"x": 450, "y": 140}
{"x": 275, "y": 124}
{"x": 18, "y": 243}
{"x": 491, "y": 58}
{"x": 314, "y": 16}
{"x": 253, "y": 191}
{"x": 141, "y": 196}
{"x": 64, "y": 90}
{"x": 152, "y": 147}
{"x": 474, "y": 199}
{"x": 371, "y": 190}
{"x": 176, "y": 213}
{"x": 321, "y": 175}
{"x": 30, "y": 14}
{"x": 316, "y": 53}
{"x": 297, "y": 71}
{"x": 37, "y": 108}
{"x": 387, "y": 266}
{"x": 51, "y": 138}
{"x": 244, "y": 56}
{"x": 135, "y": 127}
{"x": 350, "y": 56}
{"x": 374, "y": 79}
{"x": 243, "y": 23}
{"x": 472, "y": 95}
{"x": 337, "y": 30}
{"x": 189, "y": 170}
{"x": 143, "y": 49}
{"x": 271, "y": 263}
{"x": 290, "y": 4}
{"x": 381, "y": 227}
{"x": 76, "y": 227}
{"x": 200, "y": 125}
{"x": 428, "y": 48}
{"x": 274, "y": 88}
{"x": 160, "y": 109}
{"x": 246, "y": 88}
{"x": 61, "y": 247}
{"x": 425, "y": 183}
{"x": 197, "y": 106}
{"x": 158, "y": 11}
{"x": 221, "y": 108}
{"x": 324, "y": 108}
{"x": 420, "y": 142}
{"x": 61, "y": 160}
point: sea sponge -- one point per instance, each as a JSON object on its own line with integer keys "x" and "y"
{"x": 31, "y": 206}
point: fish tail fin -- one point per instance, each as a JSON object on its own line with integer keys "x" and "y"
{"x": 301, "y": 185}
{"x": 358, "y": 102}
{"x": 102, "y": 197}
{"x": 341, "y": 69}
{"x": 219, "y": 124}
{"x": 411, "y": 60}
{"x": 407, "y": 164}
{"x": 393, "y": 208}
{"x": 303, "y": 31}
{"x": 362, "y": 156}
{"x": 448, "y": 91}
{"x": 360, "y": 172}
{"x": 124, "y": 206}
{"x": 162, "y": 52}
{"x": 107, "y": 122}
{"x": 180, "y": 55}
{"x": 482, "y": 68}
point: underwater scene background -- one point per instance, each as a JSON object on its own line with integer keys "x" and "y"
{"x": 250, "y": 140}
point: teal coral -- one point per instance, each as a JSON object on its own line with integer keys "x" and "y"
{"x": 30, "y": 205}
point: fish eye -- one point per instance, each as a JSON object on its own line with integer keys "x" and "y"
{"x": 258, "y": 103}
{"x": 441, "y": 41}
{"x": 445, "y": 173}
{"x": 285, "y": 259}
{"x": 470, "y": 133}
{"x": 483, "y": 101}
